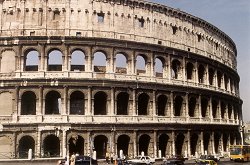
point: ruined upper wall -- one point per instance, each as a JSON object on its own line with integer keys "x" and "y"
{"x": 133, "y": 20}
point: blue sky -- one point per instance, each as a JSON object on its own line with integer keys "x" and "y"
{"x": 233, "y": 18}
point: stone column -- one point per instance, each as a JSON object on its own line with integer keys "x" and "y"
{"x": 89, "y": 107}
{"x": 45, "y": 57}
{"x": 133, "y": 61}
{"x": 135, "y": 143}
{"x": 172, "y": 105}
{"x": 134, "y": 109}
{"x": 39, "y": 142}
{"x": 212, "y": 142}
{"x": 65, "y": 111}
{"x": 154, "y": 104}
{"x": 16, "y": 105}
{"x": 173, "y": 143}
{"x": 112, "y": 103}
{"x": 207, "y": 75}
{"x": 188, "y": 144}
{"x": 199, "y": 107}
{"x": 155, "y": 144}
{"x": 64, "y": 144}
{"x": 184, "y": 77}
{"x": 202, "y": 142}
{"x": 186, "y": 107}
{"x": 39, "y": 110}
{"x": 169, "y": 68}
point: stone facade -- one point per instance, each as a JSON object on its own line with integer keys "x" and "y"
{"x": 111, "y": 75}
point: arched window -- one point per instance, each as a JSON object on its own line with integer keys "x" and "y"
{"x": 144, "y": 142}
{"x": 77, "y": 61}
{"x": 122, "y": 103}
{"x": 51, "y": 146}
{"x": 121, "y": 63}
{"x": 143, "y": 101}
{"x": 204, "y": 106}
{"x": 31, "y": 60}
{"x": 190, "y": 69}
{"x": 211, "y": 76}
{"x": 25, "y": 143}
{"x": 176, "y": 67}
{"x": 201, "y": 74}
{"x": 178, "y": 101}
{"x": 77, "y": 103}
{"x": 55, "y": 60}
{"x": 99, "y": 62}
{"x": 159, "y": 67}
{"x": 214, "y": 108}
{"x": 100, "y": 103}
{"x": 191, "y": 106}
{"x": 28, "y": 103}
{"x": 219, "y": 77}
{"x": 140, "y": 64}
{"x": 162, "y": 105}
{"x": 53, "y": 103}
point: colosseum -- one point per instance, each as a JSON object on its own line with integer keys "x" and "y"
{"x": 109, "y": 75}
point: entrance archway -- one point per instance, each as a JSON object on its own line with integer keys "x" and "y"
{"x": 144, "y": 144}
{"x": 76, "y": 145}
{"x": 51, "y": 146}
{"x": 123, "y": 144}
{"x": 100, "y": 144}
{"x": 26, "y": 143}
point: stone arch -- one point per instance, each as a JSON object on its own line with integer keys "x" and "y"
{"x": 192, "y": 106}
{"x": 122, "y": 103}
{"x": 214, "y": 108}
{"x": 225, "y": 141}
{"x": 204, "y": 107}
{"x": 176, "y": 69}
{"x": 26, "y": 143}
{"x": 77, "y": 105}
{"x": 217, "y": 137}
{"x": 8, "y": 61}
{"x": 76, "y": 144}
{"x": 201, "y": 73}
{"x": 100, "y": 103}
{"x": 141, "y": 61}
{"x": 51, "y": 146}
{"x": 7, "y": 104}
{"x": 190, "y": 71}
{"x": 100, "y": 61}
{"x": 178, "y": 105}
{"x": 123, "y": 144}
{"x": 31, "y": 60}
{"x": 194, "y": 143}
{"x": 77, "y": 62}
{"x": 121, "y": 63}
{"x": 143, "y": 104}
{"x": 144, "y": 142}
{"x": 55, "y": 60}
{"x": 211, "y": 76}
{"x": 159, "y": 66}
{"x": 179, "y": 143}
{"x": 230, "y": 110}
{"x": 161, "y": 105}
{"x": 28, "y": 103}
{"x": 53, "y": 103}
{"x": 206, "y": 141}
{"x": 223, "y": 109}
{"x": 226, "y": 81}
{"x": 164, "y": 145}
{"x": 100, "y": 144}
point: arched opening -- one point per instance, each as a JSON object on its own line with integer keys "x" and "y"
{"x": 144, "y": 142}
{"x": 159, "y": 67}
{"x": 232, "y": 139}
{"x": 225, "y": 141}
{"x": 100, "y": 144}
{"x": 123, "y": 144}
{"x": 230, "y": 111}
{"x": 31, "y": 60}
{"x": 122, "y": 103}
{"x": 178, "y": 101}
{"x": 176, "y": 66}
{"x": 163, "y": 145}
{"x": 161, "y": 105}
{"x": 206, "y": 137}
{"x": 214, "y": 108}
{"x": 223, "y": 109}
{"x": 201, "y": 74}
{"x": 76, "y": 145}
{"x": 121, "y": 64}
{"x": 26, "y": 143}
{"x": 77, "y": 61}
{"x": 51, "y": 145}
{"x": 189, "y": 69}
{"x": 28, "y": 103}
{"x": 219, "y": 77}
{"x": 194, "y": 143}
{"x": 100, "y": 103}
{"x": 99, "y": 62}
{"x": 141, "y": 64}
{"x": 77, "y": 103}
{"x": 226, "y": 81}
{"x": 55, "y": 60}
{"x": 53, "y": 103}
{"x": 143, "y": 101}
{"x": 211, "y": 76}
{"x": 204, "y": 107}
{"x": 179, "y": 142}
{"x": 191, "y": 106}
{"x": 217, "y": 137}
